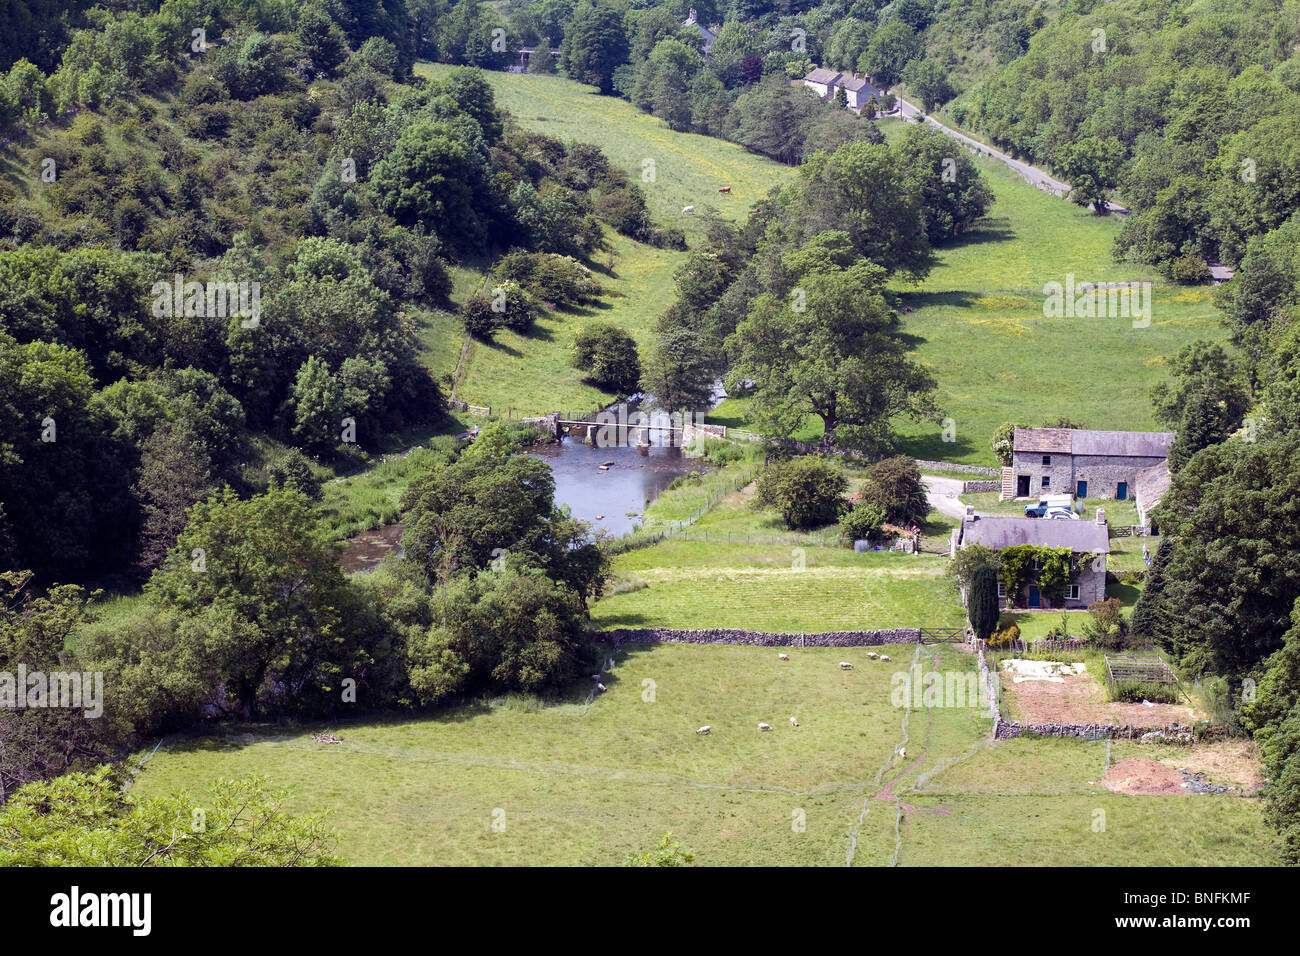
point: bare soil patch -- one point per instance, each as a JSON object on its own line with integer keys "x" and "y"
{"x": 1232, "y": 762}
{"x": 1137, "y": 775}
{"x": 1081, "y": 699}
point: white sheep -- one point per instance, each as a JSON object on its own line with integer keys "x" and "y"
{"x": 763, "y": 726}
{"x": 782, "y": 657}
{"x": 845, "y": 666}
{"x": 872, "y": 654}
{"x": 601, "y": 688}
{"x": 793, "y": 722}
{"x": 902, "y": 752}
{"x": 704, "y": 730}
{"x": 884, "y": 657}
{"x": 687, "y": 210}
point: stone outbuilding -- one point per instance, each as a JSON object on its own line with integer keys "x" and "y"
{"x": 1081, "y": 462}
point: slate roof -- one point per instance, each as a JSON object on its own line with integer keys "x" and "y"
{"x": 1080, "y": 441}
{"x": 1151, "y": 484}
{"x": 824, "y": 77}
{"x": 1079, "y": 536}
{"x": 854, "y": 85}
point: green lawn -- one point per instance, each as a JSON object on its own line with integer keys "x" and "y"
{"x": 777, "y": 587}
{"x": 688, "y": 169}
{"x": 579, "y": 785}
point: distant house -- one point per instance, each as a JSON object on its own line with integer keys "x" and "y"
{"x": 823, "y": 82}
{"x": 707, "y": 36}
{"x": 857, "y": 88}
{"x": 1083, "y": 538}
{"x": 1081, "y": 462}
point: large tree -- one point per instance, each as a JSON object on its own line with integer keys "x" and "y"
{"x": 595, "y": 44}
{"x": 831, "y": 348}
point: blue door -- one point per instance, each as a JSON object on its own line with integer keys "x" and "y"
{"x": 1035, "y": 600}
{"x": 1082, "y": 490}
{"x": 1121, "y": 491}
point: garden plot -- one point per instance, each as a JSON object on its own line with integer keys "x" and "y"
{"x": 1052, "y": 692}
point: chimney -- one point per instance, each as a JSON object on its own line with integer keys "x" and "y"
{"x": 970, "y": 512}
{"x": 1101, "y": 517}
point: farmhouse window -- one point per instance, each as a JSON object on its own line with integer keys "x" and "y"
{"x": 1073, "y": 592}
{"x": 1002, "y": 590}
{"x": 1047, "y": 461}
{"x": 1047, "y": 481}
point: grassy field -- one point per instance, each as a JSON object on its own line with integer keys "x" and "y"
{"x": 977, "y": 322}
{"x": 568, "y": 783}
{"x": 688, "y": 169}
{"x": 783, "y": 587}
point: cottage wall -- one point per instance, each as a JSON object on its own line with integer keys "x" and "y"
{"x": 1092, "y": 588}
{"x": 1060, "y": 471}
{"x": 1103, "y": 473}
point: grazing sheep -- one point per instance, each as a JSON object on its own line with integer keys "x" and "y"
{"x": 845, "y": 666}
{"x": 763, "y": 726}
{"x": 884, "y": 657}
{"x": 793, "y": 722}
{"x": 782, "y": 657}
{"x": 600, "y": 687}
{"x": 687, "y": 210}
{"x": 902, "y": 752}
{"x": 704, "y": 730}
{"x": 872, "y": 654}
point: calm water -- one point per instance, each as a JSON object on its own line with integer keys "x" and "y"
{"x": 602, "y": 498}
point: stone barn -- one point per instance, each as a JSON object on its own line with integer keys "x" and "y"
{"x": 1081, "y": 462}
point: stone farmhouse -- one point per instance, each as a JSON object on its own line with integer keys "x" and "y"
{"x": 1084, "y": 539}
{"x": 1088, "y": 464}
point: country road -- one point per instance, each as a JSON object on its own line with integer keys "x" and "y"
{"x": 943, "y": 495}
{"x": 1031, "y": 174}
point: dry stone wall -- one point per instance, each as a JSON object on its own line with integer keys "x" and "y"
{"x": 731, "y": 635}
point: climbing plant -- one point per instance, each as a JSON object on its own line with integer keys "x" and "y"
{"x": 1051, "y": 568}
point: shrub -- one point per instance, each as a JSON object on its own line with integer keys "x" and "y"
{"x": 895, "y": 486}
{"x": 1106, "y": 626}
{"x": 560, "y": 280}
{"x": 1133, "y": 692}
{"x": 514, "y": 308}
{"x": 1190, "y": 270}
{"x": 808, "y": 492}
{"x": 1004, "y": 637}
{"x": 982, "y": 601}
{"x": 608, "y": 356}
{"x": 863, "y": 520}
{"x": 480, "y": 320}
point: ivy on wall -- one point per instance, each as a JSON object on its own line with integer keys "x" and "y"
{"x": 1050, "y": 568}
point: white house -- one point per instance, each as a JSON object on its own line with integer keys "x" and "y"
{"x": 707, "y": 36}
{"x": 823, "y": 82}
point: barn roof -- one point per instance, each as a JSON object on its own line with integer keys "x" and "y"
{"x": 1079, "y": 536}
{"x": 822, "y": 76}
{"x": 1081, "y": 441}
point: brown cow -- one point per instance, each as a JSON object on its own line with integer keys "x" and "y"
{"x": 724, "y": 189}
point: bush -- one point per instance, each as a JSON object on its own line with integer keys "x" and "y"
{"x": 514, "y": 308}
{"x": 608, "y": 356}
{"x": 895, "y": 486}
{"x": 1106, "y": 626}
{"x": 861, "y": 521}
{"x": 808, "y": 492}
{"x": 560, "y": 280}
{"x": 1004, "y": 637}
{"x": 480, "y": 320}
{"x": 293, "y": 468}
{"x": 1190, "y": 270}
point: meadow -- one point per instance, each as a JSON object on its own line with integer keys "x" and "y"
{"x": 977, "y": 322}
{"x": 520, "y": 781}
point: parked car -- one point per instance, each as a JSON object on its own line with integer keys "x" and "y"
{"x": 1047, "y": 503}
{"x": 1066, "y": 513}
